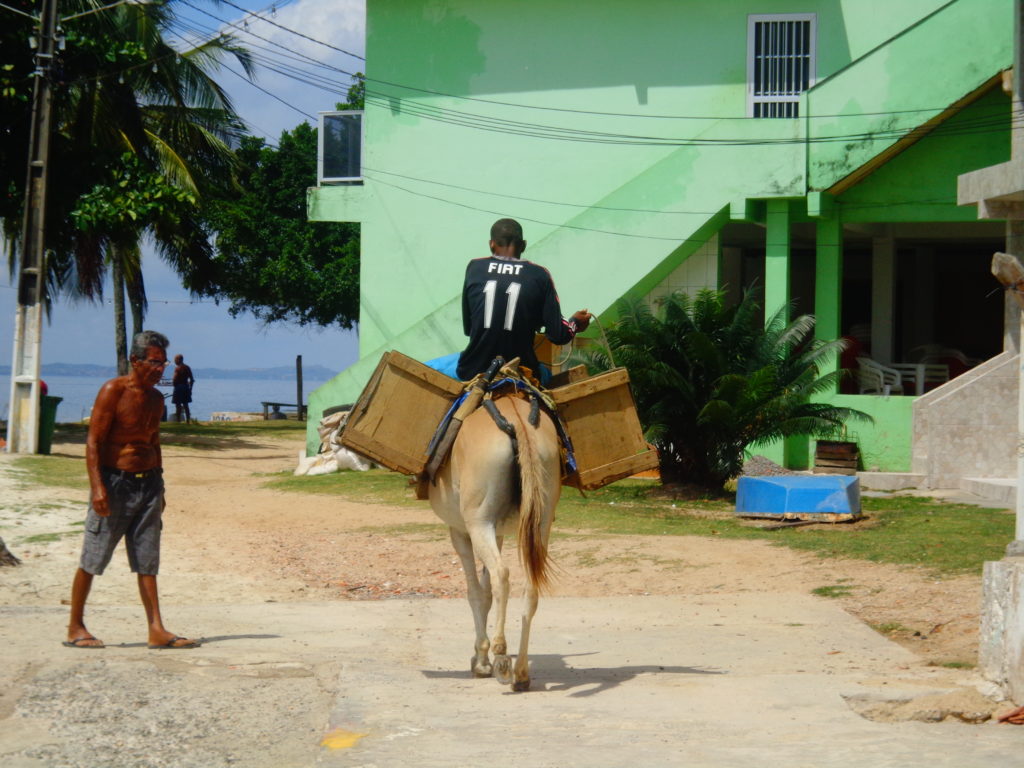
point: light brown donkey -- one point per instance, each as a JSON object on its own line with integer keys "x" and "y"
{"x": 482, "y": 493}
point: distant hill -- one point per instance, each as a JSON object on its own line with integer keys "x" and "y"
{"x": 280, "y": 373}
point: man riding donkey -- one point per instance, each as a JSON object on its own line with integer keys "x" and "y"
{"x": 505, "y": 301}
{"x": 496, "y": 471}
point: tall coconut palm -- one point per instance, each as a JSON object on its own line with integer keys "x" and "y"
{"x": 710, "y": 381}
{"x": 121, "y": 90}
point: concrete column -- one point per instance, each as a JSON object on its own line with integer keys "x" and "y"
{"x": 1013, "y": 317}
{"x": 883, "y": 297}
{"x": 921, "y": 322}
{"x": 796, "y": 450}
{"x": 828, "y": 281}
{"x": 776, "y": 257}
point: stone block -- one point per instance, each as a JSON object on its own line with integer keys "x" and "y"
{"x": 1001, "y": 639}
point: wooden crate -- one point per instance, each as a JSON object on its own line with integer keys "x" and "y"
{"x": 601, "y": 419}
{"x": 398, "y": 412}
{"x": 836, "y": 457}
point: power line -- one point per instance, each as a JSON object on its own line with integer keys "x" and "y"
{"x": 293, "y": 31}
{"x": 272, "y": 95}
{"x": 589, "y": 206}
{"x": 516, "y": 105}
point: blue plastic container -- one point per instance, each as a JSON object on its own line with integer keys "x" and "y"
{"x": 802, "y": 497}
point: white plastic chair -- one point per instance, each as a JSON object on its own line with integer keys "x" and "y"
{"x": 875, "y": 378}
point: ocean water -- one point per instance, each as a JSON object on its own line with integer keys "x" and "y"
{"x": 208, "y": 395}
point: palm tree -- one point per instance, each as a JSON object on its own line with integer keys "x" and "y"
{"x": 121, "y": 91}
{"x": 710, "y": 382}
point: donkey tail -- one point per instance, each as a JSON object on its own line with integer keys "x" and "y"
{"x": 534, "y": 516}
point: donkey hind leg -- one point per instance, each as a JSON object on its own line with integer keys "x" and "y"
{"x": 479, "y": 594}
{"x": 487, "y": 546}
{"x": 521, "y": 674}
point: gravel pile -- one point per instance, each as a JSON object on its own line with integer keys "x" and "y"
{"x": 759, "y": 466}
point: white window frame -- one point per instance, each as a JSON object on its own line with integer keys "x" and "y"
{"x": 752, "y": 21}
{"x": 321, "y": 133}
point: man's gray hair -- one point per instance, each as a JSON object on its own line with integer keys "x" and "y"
{"x": 147, "y": 339}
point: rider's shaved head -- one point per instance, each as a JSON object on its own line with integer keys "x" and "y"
{"x": 506, "y": 232}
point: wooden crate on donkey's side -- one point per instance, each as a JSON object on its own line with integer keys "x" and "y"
{"x": 602, "y": 422}
{"x": 398, "y": 413}
{"x": 404, "y": 401}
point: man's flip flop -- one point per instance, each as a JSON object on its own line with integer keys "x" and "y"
{"x": 170, "y": 644}
{"x": 79, "y": 642}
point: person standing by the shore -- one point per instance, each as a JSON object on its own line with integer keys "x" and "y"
{"x": 182, "y": 383}
{"x": 123, "y": 459}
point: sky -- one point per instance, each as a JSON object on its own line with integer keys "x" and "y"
{"x": 204, "y": 332}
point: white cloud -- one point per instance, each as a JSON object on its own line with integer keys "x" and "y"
{"x": 339, "y": 23}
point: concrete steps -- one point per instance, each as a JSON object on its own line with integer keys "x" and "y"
{"x": 1001, "y": 490}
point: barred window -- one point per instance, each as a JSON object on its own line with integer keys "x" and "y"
{"x": 780, "y": 63}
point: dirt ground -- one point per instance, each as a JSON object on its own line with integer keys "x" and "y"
{"x": 227, "y": 539}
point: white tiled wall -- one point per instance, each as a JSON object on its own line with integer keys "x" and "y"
{"x": 697, "y": 272}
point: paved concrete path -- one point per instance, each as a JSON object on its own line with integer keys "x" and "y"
{"x": 711, "y": 680}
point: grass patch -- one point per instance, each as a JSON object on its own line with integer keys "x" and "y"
{"x": 953, "y": 664}
{"x": 48, "y": 538}
{"x": 62, "y": 471}
{"x": 947, "y": 539}
{"x": 206, "y": 435}
{"x": 223, "y": 429}
{"x": 833, "y": 590}
{"x": 376, "y": 486}
{"x": 889, "y": 628}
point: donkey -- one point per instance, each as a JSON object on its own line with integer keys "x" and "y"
{"x": 486, "y": 490}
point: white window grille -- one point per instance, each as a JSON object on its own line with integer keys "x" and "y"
{"x": 340, "y": 151}
{"x": 780, "y": 63}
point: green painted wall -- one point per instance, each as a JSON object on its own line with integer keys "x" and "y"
{"x": 919, "y": 184}
{"x": 478, "y": 109}
{"x": 883, "y": 444}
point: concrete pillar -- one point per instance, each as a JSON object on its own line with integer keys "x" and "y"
{"x": 828, "y": 281}
{"x": 921, "y": 323}
{"x": 776, "y": 257}
{"x": 796, "y": 450}
{"x": 883, "y": 297}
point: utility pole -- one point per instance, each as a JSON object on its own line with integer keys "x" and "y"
{"x": 23, "y": 418}
{"x": 998, "y": 192}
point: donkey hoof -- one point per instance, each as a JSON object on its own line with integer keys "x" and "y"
{"x": 480, "y": 669}
{"x": 503, "y": 669}
{"x": 521, "y": 685}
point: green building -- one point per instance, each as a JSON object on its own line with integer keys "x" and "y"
{"x": 811, "y": 147}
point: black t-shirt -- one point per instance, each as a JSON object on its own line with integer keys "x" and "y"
{"x": 504, "y": 303}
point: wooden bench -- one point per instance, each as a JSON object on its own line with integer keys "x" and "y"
{"x": 267, "y": 405}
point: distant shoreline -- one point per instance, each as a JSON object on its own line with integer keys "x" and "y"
{"x": 279, "y": 373}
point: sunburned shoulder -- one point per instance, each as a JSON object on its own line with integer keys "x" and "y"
{"x": 114, "y": 386}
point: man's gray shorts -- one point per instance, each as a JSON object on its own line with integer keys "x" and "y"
{"x": 136, "y": 501}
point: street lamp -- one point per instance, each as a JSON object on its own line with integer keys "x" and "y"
{"x": 23, "y": 413}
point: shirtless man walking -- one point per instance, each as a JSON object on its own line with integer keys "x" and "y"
{"x": 122, "y": 457}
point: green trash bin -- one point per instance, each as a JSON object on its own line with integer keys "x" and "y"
{"x": 47, "y": 421}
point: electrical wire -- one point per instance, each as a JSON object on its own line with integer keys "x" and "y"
{"x": 386, "y": 95}
{"x": 293, "y": 31}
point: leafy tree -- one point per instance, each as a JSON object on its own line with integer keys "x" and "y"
{"x": 113, "y": 217}
{"x": 711, "y": 382}
{"x": 118, "y": 88}
{"x": 356, "y": 96}
{"x": 270, "y": 260}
